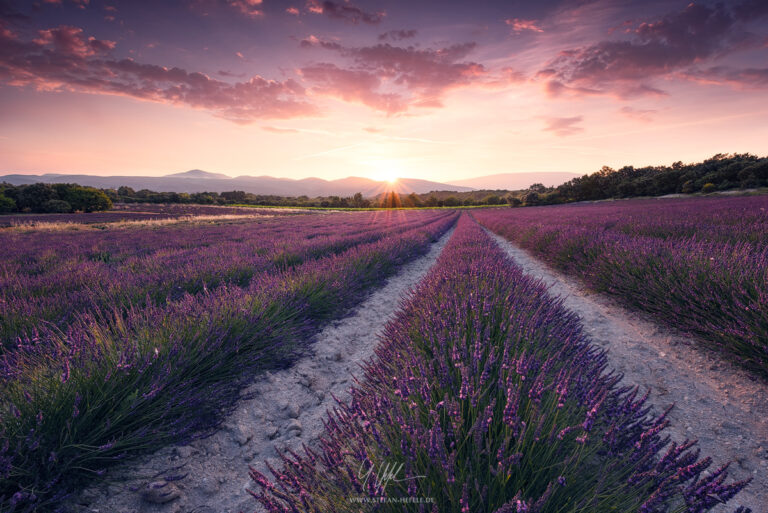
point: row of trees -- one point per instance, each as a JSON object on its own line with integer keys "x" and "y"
{"x": 390, "y": 199}
{"x": 52, "y": 198}
{"x": 719, "y": 173}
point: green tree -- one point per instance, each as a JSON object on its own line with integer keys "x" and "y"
{"x": 6, "y": 204}
{"x": 451, "y": 201}
{"x": 56, "y": 206}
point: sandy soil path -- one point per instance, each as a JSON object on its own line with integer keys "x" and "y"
{"x": 286, "y": 409}
{"x": 722, "y": 406}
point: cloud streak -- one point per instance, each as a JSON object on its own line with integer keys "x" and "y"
{"x": 564, "y": 126}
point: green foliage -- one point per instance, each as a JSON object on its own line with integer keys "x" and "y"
{"x": 6, "y": 204}
{"x": 708, "y": 188}
{"x": 723, "y": 172}
{"x": 56, "y": 206}
{"x": 53, "y": 198}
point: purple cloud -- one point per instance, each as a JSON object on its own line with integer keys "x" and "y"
{"x": 64, "y": 59}
{"x": 655, "y": 48}
{"x": 746, "y": 78}
{"x": 413, "y": 77}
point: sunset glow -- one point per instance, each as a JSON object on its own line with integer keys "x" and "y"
{"x": 439, "y": 91}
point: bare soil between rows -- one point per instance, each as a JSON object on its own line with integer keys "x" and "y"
{"x": 722, "y": 406}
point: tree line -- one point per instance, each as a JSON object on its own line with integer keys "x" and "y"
{"x": 386, "y": 200}
{"x": 719, "y": 173}
{"x": 52, "y": 198}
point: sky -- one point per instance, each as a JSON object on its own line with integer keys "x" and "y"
{"x": 438, "y": 90}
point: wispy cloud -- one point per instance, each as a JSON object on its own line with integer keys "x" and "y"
{"x": 563, "y": 126}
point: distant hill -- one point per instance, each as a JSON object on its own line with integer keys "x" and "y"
{"x": 515, "y": 181}
{"x": 203, "y": 181}
{"x": 199, "y": 173}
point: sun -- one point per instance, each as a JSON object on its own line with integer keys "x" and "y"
{"x": 386, "y": 175}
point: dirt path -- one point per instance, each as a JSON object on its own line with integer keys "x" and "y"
{"x": 722, "y": 406}
{"x": 286, "y": 410}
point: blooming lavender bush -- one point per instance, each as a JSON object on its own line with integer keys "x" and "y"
{"x": 75, "y": 400}
{"x": 486, "y": 395}
{"x": 698, "y": 265}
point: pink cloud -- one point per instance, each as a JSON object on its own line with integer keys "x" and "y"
{"x": 292, "y": 10}
{"x": 563, "y": 126}
{"x": 70, "y": 41}
{"x": 352, "y": 86}
{"x": 520, "y": 25}
{"x": 64, "y": 59}
{"x": 393, "y": 78}
{"x": 250, "y": 8}
{"x": 344, "y": 11}
{"x": 645, "y": 115}
{"x": 278, "y": 130}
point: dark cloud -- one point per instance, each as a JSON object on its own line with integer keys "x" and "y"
{"x": 9, "y": 13}
{"x": 64, "y": 59}
{"x": 345, "y": 11}
{"x": 412, "y": 76}
{"x": 563, "y": 126}
{"x": 654, "y": 48}
{"x": 397, "y": 35}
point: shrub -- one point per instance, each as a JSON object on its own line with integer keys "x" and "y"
{"x": 708, "y": 188}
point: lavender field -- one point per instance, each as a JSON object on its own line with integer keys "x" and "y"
{"x": 481, "y": 392}
{"x": 122, "y": 341}
{"x": 696, "y": 265}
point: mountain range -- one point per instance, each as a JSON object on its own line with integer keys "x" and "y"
{"x": 197, "y": 180}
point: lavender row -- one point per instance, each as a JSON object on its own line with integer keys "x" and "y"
{"x": 486, "y": 395}
{"x": 73, "y": 403}
{"x": 54, "y": 277}
{"x": 138, "y": 212}
{"x": 709, "y": 279}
